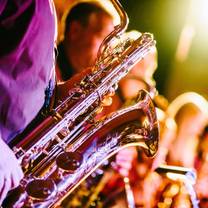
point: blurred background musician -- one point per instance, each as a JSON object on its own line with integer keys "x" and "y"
{"x": 183, "y": 148}
{"x": 86, "y": 25}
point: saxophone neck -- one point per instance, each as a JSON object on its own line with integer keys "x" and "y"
{"x": 124, "y": 20}
{"x": 118, "y": 30}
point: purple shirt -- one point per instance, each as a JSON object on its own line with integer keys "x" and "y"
{"x": 27, "y": 34}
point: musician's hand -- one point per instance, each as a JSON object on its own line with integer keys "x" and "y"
{"x": 10, "y": 171}
{"x": 125, "y": 159}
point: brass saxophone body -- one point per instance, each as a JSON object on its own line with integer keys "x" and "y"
{"x": 63, "y": 168}
{"x": 68, "y": 145}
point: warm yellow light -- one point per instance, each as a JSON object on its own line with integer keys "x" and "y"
{"x": 196, "y": 22}
{"x": 199, "y": 14}
{"x": 184, "y": 43}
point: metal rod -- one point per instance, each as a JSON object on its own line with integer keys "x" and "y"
{"x": 129, "y": 193}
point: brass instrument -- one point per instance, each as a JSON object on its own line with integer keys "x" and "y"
{"x": 60, "y": 172}
{"x": 69, "y": 145}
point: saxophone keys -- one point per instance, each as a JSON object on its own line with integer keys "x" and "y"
{"x": 57, "y": 116}
{"x": 18, "y": 152}
{"x": 26, "y": 162}
{"x": 64, "y": 132}
{"x": 68, "y": 162}
{"x": 41, "y": 189}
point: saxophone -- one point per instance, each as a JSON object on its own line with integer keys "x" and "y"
{"x": 69, "y": 145}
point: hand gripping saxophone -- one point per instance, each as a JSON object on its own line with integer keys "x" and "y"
{"x": 68, "y": 145}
